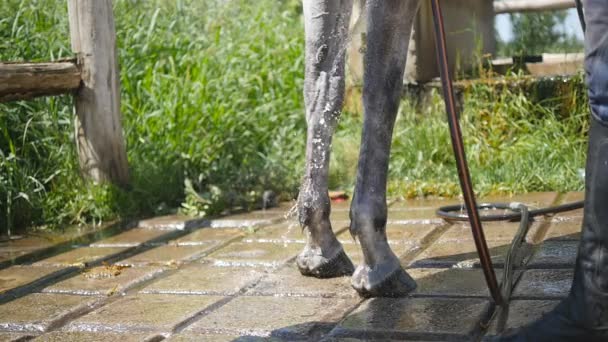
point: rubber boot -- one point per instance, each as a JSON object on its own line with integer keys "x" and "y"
{"x": 583, "y": 315}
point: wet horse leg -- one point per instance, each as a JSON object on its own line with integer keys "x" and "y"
{"x": 388, "y": 32}
{"x": 326, "y": 26}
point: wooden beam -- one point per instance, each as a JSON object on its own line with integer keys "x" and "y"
{"x": 23, "y": 81}
{"x": 99, "y": 137}
{"x": 514, "y": 6}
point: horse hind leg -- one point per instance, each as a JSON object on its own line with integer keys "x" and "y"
{"x": 388, "y": 32}
{"x": 326, "y": 26}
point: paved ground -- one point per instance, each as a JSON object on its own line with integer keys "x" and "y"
{"x": 234, "y": 279}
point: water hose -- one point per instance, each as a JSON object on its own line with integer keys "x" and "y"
{"x": 519, "y": 211}
{"x": 461, "y": 161}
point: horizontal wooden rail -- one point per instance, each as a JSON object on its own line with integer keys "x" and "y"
{"x": 514, "y": 6}
{"x": 22, "y": 81}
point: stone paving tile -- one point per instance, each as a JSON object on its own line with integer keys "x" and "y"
{"x": 26, "y": 242}
{"x": 288, "y": 282}
{"x": 413, "y": 318}
{"x": 62, "y": 336}
{"x": 142, "y": 313}
{"x": 555, "y": 254}
{"x": 420, "y": 203}
{"x": 564, "y": 230}
{"x": 104, "y": 281}
{"x": 209, "y": 236}
{"x": 422, "y": 215}
{"x": 283, "y": 317}
{"x": 353, "y": 250}
{"x": 573, "y": 214}
{"x": 493, "y": 231}
{"x": 255, "y": 254}
{"x": 532, "y": 199}
{"x": 521, "y": 312}
{"x": 166, "y": 255}
{"x": 205, "y": 279}
{"x": 17, "y": 276}
{"x": 411, "y": 234}
{"x": 251, "y": 219}
{"x": 191, "y": 337}
{"x": 80, "y": 256}
{"x": 545, "y": 284}
{"x": 171, "y": 222}
{"x": 403, "y": 251}
{"x": 288, "y": 232}
{"x": 462, "y": 254}
{"x": 38, "y": 311}
{"x": 456, "y": 282}
{"x": 130, "y": 238}
{"x": 14, "y": 337}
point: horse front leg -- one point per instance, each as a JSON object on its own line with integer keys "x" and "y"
{"x": 388, "y": 33}
{"x": 326, "y": 26}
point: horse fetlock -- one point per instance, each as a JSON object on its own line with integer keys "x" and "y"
{"x": 367, "y": 218}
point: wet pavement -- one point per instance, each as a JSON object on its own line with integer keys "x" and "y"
{"x": 233, "y": 279}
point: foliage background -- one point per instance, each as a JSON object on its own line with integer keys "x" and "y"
{"x": 213, "y": 115}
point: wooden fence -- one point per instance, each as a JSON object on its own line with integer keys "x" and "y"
{"x": 513, "y": 6}
{"x": 92, "y": 78}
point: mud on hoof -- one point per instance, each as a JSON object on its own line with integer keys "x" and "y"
{"x": 377, "y": 282}
{"x": 312, "y": 263}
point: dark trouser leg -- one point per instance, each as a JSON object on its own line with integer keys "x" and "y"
{"x": 326, "y": 26}
{"x": 583, "y": 315}
{"x": 388, "y": 33}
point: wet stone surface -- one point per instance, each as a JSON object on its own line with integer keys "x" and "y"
{"x": 209, "y": 236}
{"x": 288, "y": 282}
{"x": 61, "y": 336}
{"x": 241, "y": 284}
{"x": 288, "y": 232}
{"x": 255, "y": 254}
{"x": 143, "y": 313}
{"x": 416, "y": 216}
{"x": 462, "y": 254}
{"x": 16, "y": 276}
{"x": 575, "y": 215}
{"x": 521, "y": 312}
{"x": 38, "y": 312}
{"x": 192, "y": 337}
{"x": 493, "y": 231}
{"x": 412, "y": 234}
{"x": 283, "y": 317}
{"x": 104, "y": 280}
{"x": 555, "y": 254}
{"x": 206, "y": 279}
{"x": 252, "y": 219}
{"x": 413, "y": 318}
{"x": 132, "y": 238}
{"x": 564, "y": 231}
{"x": 81, "y": 256}
{"x": 14, "y": 337}
{"x": 166, "y": 255}
{"x": 171, "y": 222}
{"x": 544, "y": 284}
{"x": 451, "y": 282}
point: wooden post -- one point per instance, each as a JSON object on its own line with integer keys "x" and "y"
{"x": 99, "y": 136}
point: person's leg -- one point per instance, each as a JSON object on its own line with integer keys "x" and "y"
{"x": 389, "y": 24}
{"x": 583, "y": 315}
{"x": 326, "y": 26}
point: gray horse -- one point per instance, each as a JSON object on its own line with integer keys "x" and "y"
{"x": 388, "y": 30}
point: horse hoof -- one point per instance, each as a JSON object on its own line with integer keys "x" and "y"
{"x": 312, "y": 263}
{"x": 382, "y": 281}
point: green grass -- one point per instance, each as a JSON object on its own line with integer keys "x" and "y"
{"x": 213, "y": 115}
